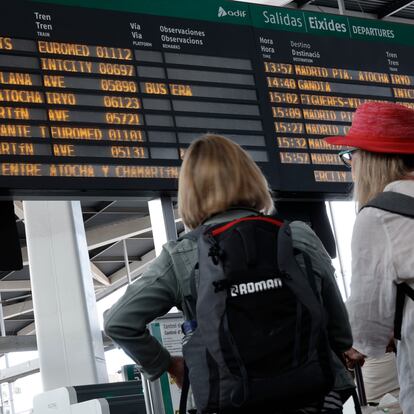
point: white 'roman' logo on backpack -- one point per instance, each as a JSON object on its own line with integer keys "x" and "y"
{"x": 254, "y": 287}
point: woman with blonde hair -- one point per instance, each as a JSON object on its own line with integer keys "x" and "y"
{"x": 381, "y": 156}
{"x": 218, "y": 183}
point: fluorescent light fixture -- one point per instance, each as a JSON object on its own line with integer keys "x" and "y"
{"x": 268, "y": 2}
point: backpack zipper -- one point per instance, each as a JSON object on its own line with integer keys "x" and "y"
{"x": 227, "y": 226}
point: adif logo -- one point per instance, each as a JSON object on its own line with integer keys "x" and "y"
{"x": 221, "y": 12}
{"x": 254, "y": 287}
{"x": 232, "y": 13}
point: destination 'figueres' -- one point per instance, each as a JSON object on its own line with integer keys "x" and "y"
{"x": 285, "y": 19}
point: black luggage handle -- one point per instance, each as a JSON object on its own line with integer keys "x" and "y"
{"x": 184, "y": 391}
{"x": 360, "y": 386}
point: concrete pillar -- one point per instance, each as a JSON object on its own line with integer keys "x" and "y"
{"x": 69, "y": 339}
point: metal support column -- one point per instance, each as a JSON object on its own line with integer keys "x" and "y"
{"x": 163, "y": 229}
{"x": 126, "y": 261}
{"x": 68, "y": 335}
{"x": 341, "y": 7}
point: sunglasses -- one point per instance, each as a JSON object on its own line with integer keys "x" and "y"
{"x": 346, "y": 156}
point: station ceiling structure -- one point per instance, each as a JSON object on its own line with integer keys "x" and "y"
{"x": 108, "y": 225}
{"x": 380, "y": 9}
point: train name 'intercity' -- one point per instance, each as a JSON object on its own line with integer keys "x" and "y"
{"x": 66, "y": 65}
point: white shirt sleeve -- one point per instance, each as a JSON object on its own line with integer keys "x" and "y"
{"x": 371, "y": 306}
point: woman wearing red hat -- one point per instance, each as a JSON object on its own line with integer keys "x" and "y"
{"x": 381, "y": 156}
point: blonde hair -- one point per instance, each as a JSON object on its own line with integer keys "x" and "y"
{"x": 373, "y": 171}
{"x": 217, "y": 174}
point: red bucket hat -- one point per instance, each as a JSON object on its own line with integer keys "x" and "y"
{"x": 380, "y": 127}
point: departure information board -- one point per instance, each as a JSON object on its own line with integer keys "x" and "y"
{"x": 105, "y": 102}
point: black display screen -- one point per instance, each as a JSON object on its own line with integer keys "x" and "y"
{"x": 106, "y": 101}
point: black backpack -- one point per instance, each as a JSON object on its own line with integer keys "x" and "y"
{"x": 403, "y": 205}
{"x": 257, "y": 334}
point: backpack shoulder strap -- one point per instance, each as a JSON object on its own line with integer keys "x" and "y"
{"x": 194, "y": 234}
{"x": 190, "y": 301}
{"x": 394, "y": 203}
{"x": 292, "y": 272}
{"x": 403, "y": 290}
{"x": 311, "y": 275}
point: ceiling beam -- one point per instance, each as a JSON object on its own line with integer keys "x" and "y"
{"x": 21, "y": 308}
{"x": 114, "y": 259}
{"x": 120, "y": 278}
{"x": 116, "y": 280}
{"x": 136, "y": 268}
{"x": 124, "y": 229}
{"x": 28, "y": 329}
{"x": 108, "y": 205}
{"x": 393, "y": 7}
{"x": 115, "y": 210}
{"x": 18, "y": 371}
{"x": 15, "y": 286}
{"x": 302, "y": 3}
{"x": 22, "y": 343}
{"x": 110, "y": 233}
{"x": 99, "y": 276}
{"x": 103, "y": 235}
